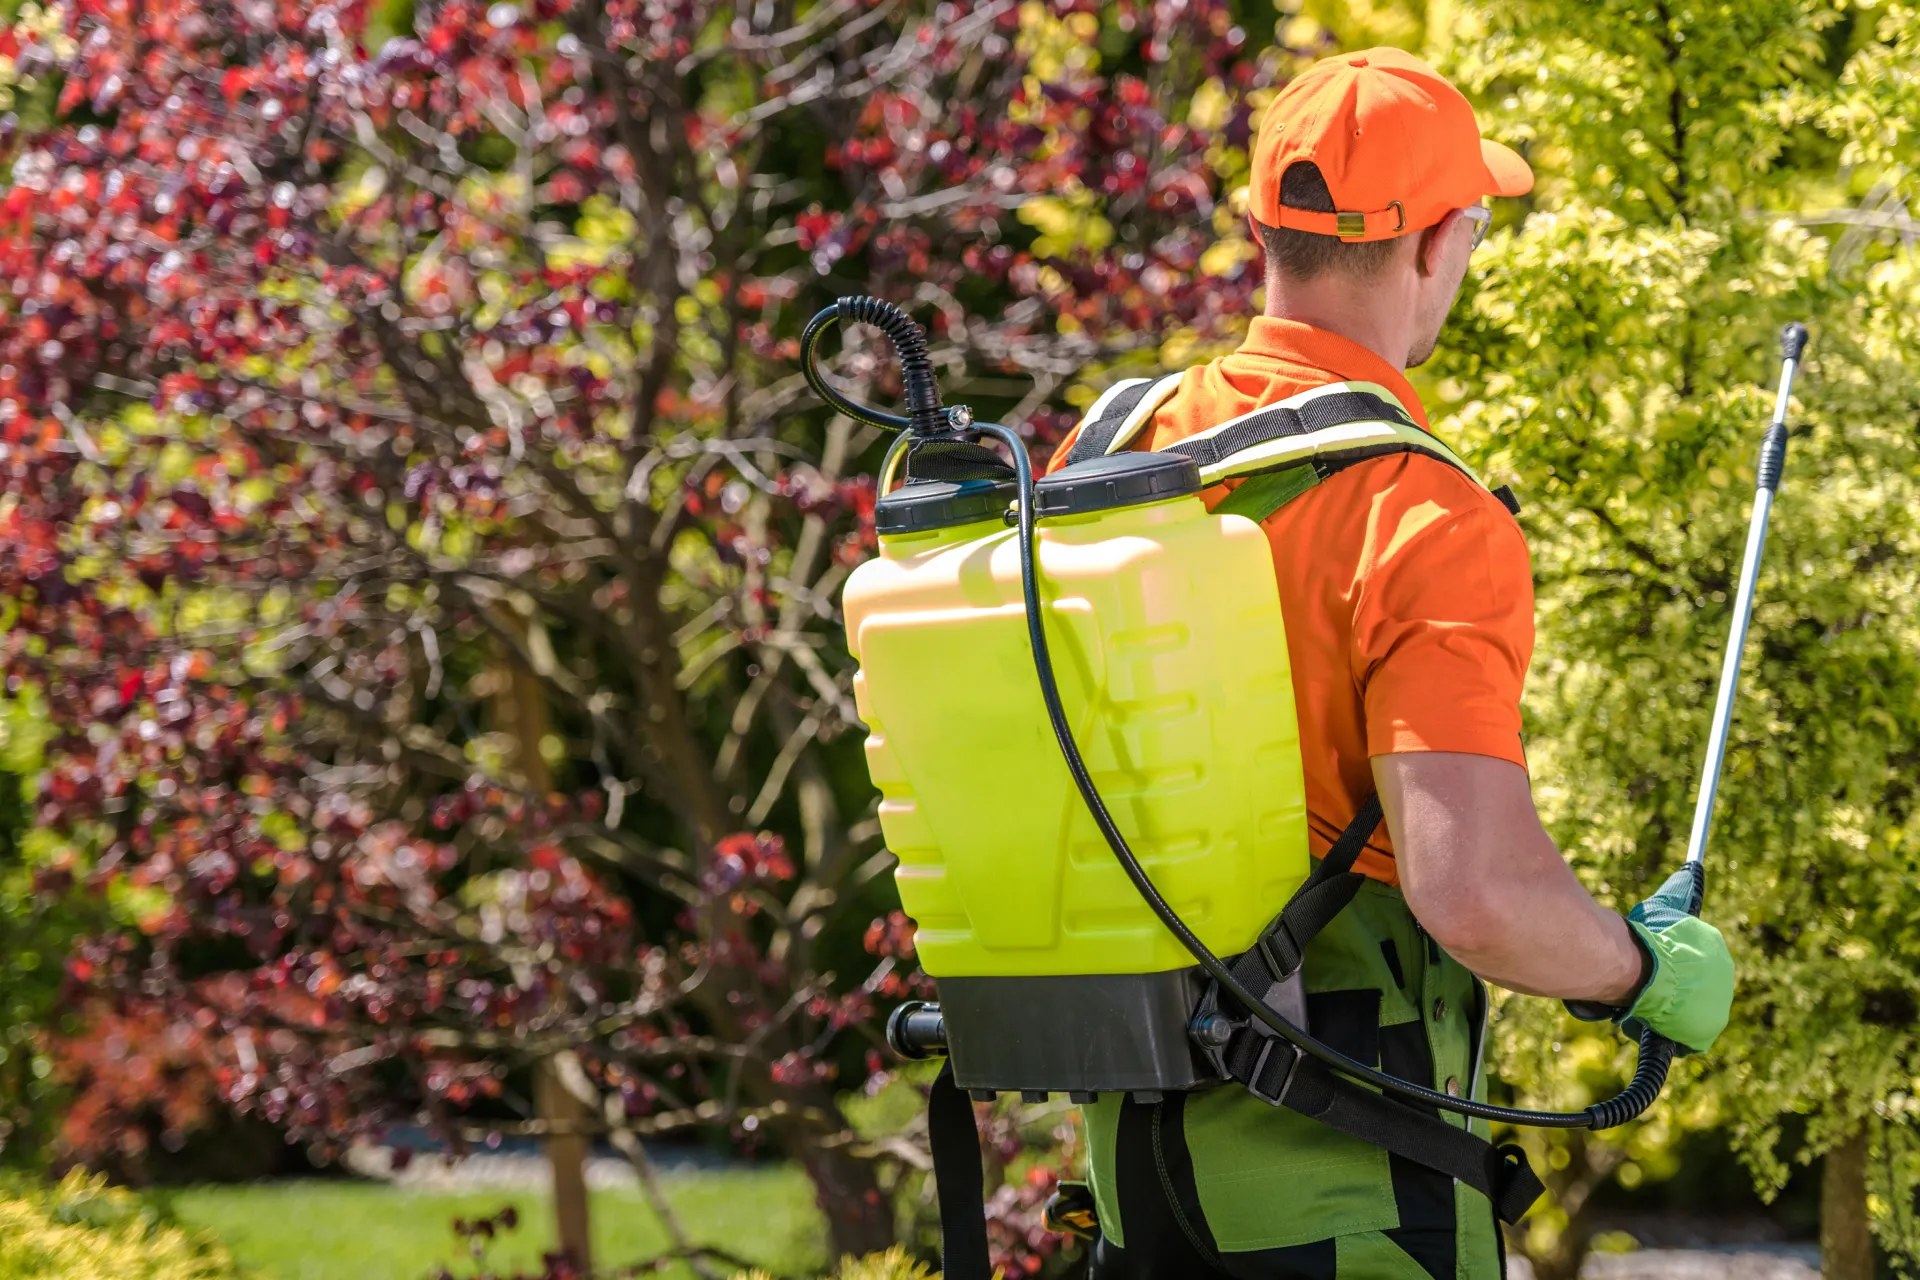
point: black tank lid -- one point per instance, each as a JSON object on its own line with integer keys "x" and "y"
{"x": 1118, "y": 480}
{"x": 920, "y": 505}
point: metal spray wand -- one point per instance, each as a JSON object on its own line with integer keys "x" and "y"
{"x": 1773, "y": 457}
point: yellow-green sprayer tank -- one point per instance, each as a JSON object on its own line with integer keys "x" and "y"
{"x": 1165, "y": 626}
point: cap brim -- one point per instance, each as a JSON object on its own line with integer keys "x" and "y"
{"x": 1509, "y": 174}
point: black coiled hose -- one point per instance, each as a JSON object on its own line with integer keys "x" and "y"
{"x": 1649, "y": 1078}
{"x": 924, "y": 414}
{"x": 1656, "y": 1051}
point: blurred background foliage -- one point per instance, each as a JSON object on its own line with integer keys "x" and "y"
{"x": 1707, "y": 176}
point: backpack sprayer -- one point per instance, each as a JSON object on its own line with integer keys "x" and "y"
{"x": 1052, "y": 976}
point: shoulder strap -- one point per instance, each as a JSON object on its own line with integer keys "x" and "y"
{"x": 1332, "y": 426}
{"x": 1282, "y": 945}
{"x": 1118, "y": 416}
{"x": 1280, "y": 451}
{"x": 1294, "y": 443}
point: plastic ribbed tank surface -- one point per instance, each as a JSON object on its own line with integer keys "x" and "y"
{"x": 1172, "y": 658}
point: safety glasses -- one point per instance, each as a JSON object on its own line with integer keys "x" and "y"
{"x": 1482, "y": 218}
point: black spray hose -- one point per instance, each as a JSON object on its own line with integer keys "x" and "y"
{"x": 1656, "y": 1052}
{"x": 924, "y": 414}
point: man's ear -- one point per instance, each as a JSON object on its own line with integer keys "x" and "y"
{"x": 1426, "y": 254}
{"x": 1260, "y": 243}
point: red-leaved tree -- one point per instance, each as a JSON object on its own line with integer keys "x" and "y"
{"x": 428, "y": 549}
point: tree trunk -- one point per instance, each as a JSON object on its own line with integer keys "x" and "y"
{"x": 1590, "y": 1162}
{"x": 1846, "y": 1240}
{"x": 520, "y": 711}
{"x": 859, "y": 1215}
{"x": 567, "y": 1158}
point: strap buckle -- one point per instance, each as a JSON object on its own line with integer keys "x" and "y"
{"x": 1282, "y": 954}
{"x": 1351, "y": 224}
{"x": 1267, "y": 1047}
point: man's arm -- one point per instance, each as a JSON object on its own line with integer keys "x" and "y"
{"x": 1482, "y": 877}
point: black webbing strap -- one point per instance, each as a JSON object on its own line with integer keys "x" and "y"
{"x": 1096, "y": 434}
{"x": 1276, "y": 1072}
{"x": 1282, "y": 945}
{"x": 954, "y": 1135}
{"x": 954, "y": 458}
{"x": 1332, "y": 410}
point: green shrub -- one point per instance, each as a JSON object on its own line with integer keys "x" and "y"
{"x": 82, "y": 1229}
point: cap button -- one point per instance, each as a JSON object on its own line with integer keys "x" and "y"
{"x": 1358, "y": 60}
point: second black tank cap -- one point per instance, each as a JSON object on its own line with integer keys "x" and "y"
{"x": 1118, "y": 480}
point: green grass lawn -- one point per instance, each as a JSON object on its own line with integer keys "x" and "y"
{"x": 326, "y": 1230}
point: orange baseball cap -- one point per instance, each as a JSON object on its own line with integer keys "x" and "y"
{"x": 1398, "y": 146}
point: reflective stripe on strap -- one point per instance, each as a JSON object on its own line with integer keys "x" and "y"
{"x": 1119, "y": 415}
{"x": 1335, "y": 425}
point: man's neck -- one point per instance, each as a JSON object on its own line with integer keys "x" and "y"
{"x": 1336, "y": 304}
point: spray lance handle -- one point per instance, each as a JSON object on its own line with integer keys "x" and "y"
{"x": 1773, "y": 448}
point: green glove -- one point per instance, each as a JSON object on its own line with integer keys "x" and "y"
{"x": 1689, "y": 992}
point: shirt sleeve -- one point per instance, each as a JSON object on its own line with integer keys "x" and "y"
{"x": 1443, "y": 619}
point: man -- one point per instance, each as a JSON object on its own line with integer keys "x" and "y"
{"x": 1409, "y": 606}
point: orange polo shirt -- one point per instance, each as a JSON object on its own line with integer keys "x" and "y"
{"x": 1406, "y": 588}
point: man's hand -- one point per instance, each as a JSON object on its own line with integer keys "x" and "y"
{"x": 1689, "y": 995}
{"x": 1483, "y": 878}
